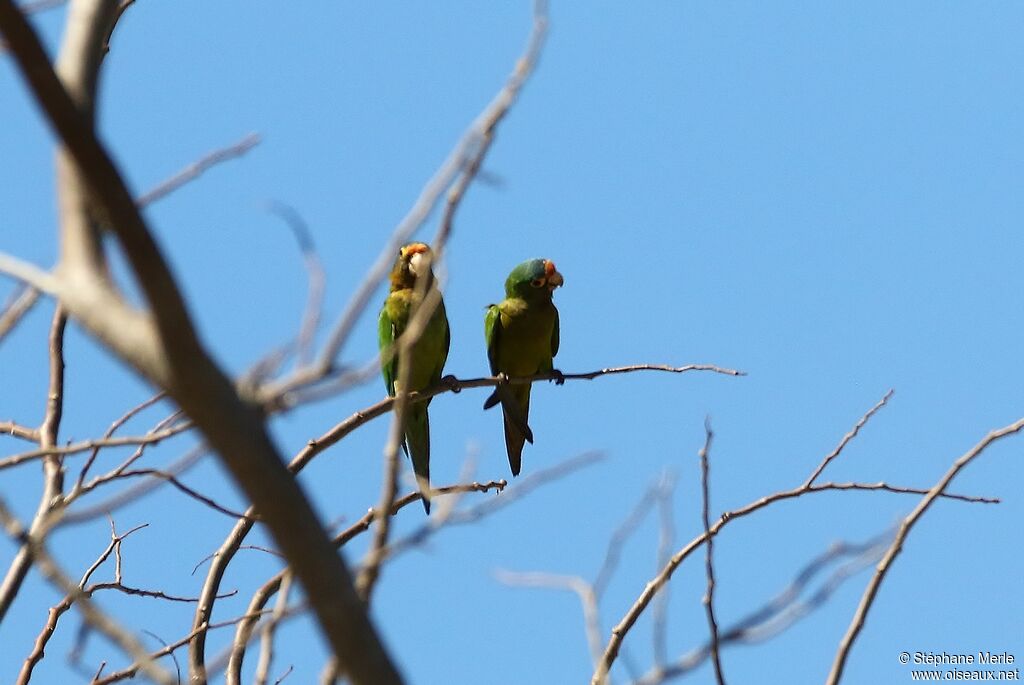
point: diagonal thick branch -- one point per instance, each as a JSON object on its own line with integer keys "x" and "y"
{"x": 165, "y": 347}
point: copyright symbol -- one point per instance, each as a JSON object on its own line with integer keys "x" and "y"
{"x": 904, "y": 658}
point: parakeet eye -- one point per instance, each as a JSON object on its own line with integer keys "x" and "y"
{"x": 537, "y": 282}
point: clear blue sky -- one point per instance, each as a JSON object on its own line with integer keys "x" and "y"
{"x": 825, "y": 195}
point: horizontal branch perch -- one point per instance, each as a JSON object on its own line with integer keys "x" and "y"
{"x": 273, "y": 401}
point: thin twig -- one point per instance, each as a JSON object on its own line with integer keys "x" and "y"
{"x": 197, "y": 168}
{"x": 20, "y": 304}
{"x": 132, "y": 671}
{"x": 258, "y": 548}
{"x": 666, "y": 541}
{"x": 619, "y": 538}
{"x": 583, "y": 589}
{"x": 709, "y": 568}
{"x": 315, "y": 274}
{"x": 133, "y": 493}
{"x": 16, "y": 430}
{"x": 120, "y": 421}
{"x": 86, "y": 445}
{"x": 267, "y": 637}
{"x": 510, "y": 496}
{"x": 848, "y": 437}
{"x": 173, "y": 480}
{"x": 590, "y": 593}
{"x": 284, "y": 675}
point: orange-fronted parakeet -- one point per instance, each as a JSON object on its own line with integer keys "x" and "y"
{"x": 427, "y": 355}
{"x": 522, "y": 340}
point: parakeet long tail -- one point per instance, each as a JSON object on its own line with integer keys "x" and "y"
{"x": 511, "y": 404}
{"x": 417, "y": 440}
{"x": 516, "y": 412}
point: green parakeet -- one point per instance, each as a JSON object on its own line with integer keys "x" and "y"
{"x": 522, "y": 340}
{"x": 427, "y": 355}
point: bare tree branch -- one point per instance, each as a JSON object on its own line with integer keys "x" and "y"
{"x": 583, "y": 589}
{"x": 38, "y": 650}
{"x": 448, "y": 516}
{"x": 838, "y": 665}
{"x": 260, "y": 598}
{"x": 621, "y": 629}
{"x": 88, "y": 590}
{"x": 783, "y": 610}
{"x": 92, "y": 614}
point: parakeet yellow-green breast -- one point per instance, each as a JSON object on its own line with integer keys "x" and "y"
{"x": 427, "y": 356}
{"x": 522, "y": 340}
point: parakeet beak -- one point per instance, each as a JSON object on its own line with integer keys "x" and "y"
{"x": 418, "y": 256}
{"x": 554, "y": 279}
{"x": 417, "y": 264}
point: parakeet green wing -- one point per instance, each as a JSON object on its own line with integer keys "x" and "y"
{"x": 503, "y": 393}
{"x": 386, "y": 339}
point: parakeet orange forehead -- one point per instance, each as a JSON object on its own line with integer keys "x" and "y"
{"x": 549, "y": 267}
{"x": 414, "y": 248}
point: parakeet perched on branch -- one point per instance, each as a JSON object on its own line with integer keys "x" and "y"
{"x": 411, "y": 281}
{"x": 522, "y": 340}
